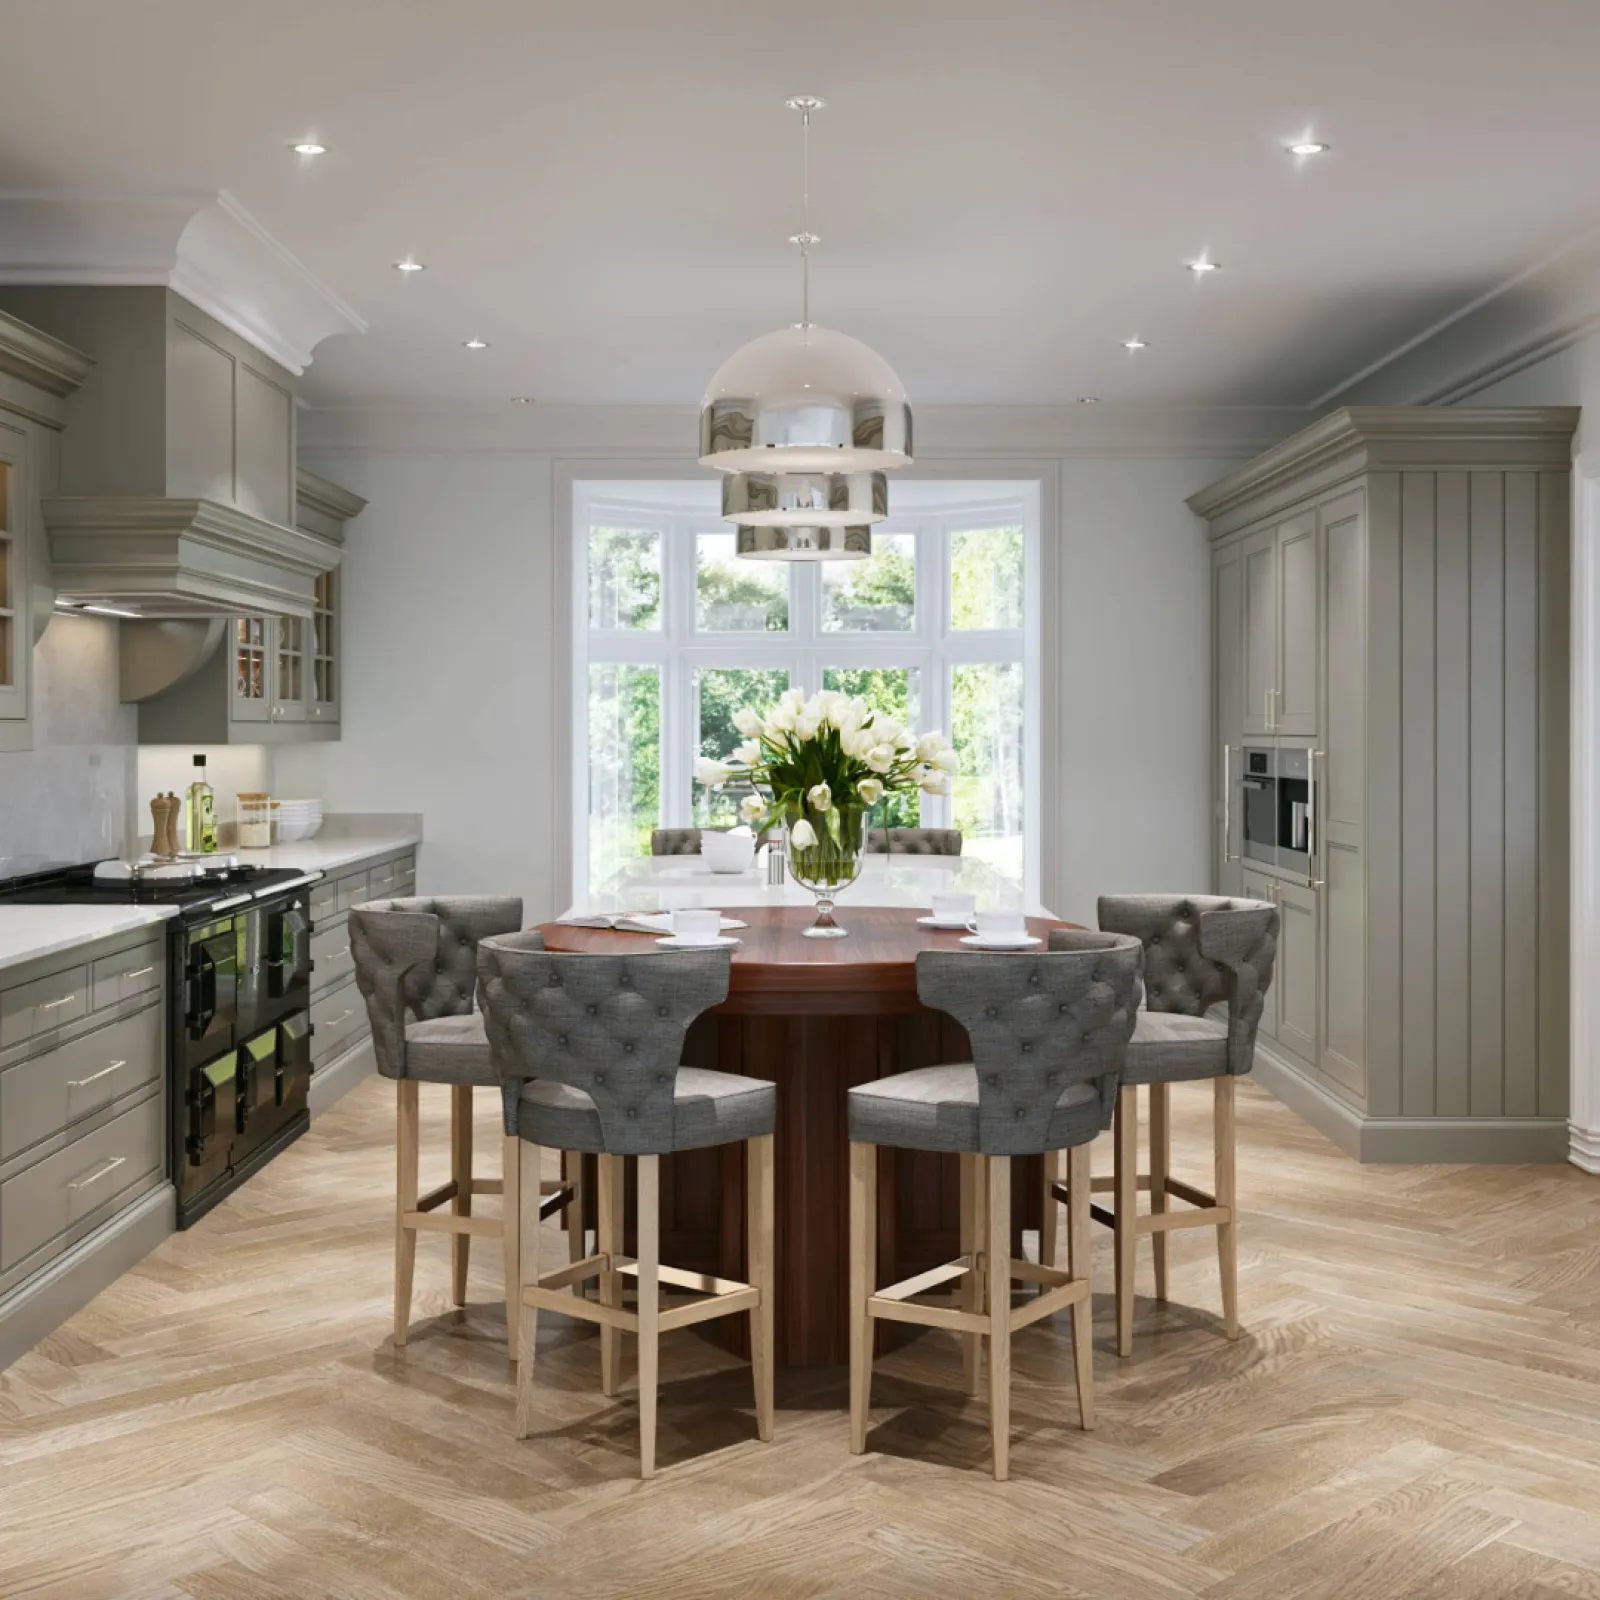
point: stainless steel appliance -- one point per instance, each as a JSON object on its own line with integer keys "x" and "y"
{"x": 1258, "y": 804}
{"x": 1277, "y": 797}
{"x": 238, "y": 1008}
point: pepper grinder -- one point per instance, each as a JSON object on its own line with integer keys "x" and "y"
{"x": 163, "y": 814}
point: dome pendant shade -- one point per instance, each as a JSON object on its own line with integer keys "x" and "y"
{"x": 805, "y": 400}
{"x": 823, "y": 500}
{"x": 804, "y": 544}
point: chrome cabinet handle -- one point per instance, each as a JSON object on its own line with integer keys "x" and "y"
{"x": 139, "y": 972}
{"x": 1266, "y": 710}
{"x": 1313, "y": 838}
{"x": 1227, "y": 805}
{"x": 94, "y": 1177}
{"x": 95, "y": 1077}
{"x": 50, "y": 1005}
{"x": 334, "y": 1021}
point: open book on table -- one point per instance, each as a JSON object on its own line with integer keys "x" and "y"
{"x": 634, "y": 921}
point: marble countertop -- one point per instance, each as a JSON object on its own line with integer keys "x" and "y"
{"x": 27, "y": 932}
{"x": 329, "y": 852}
{"x": 668, "y": 883}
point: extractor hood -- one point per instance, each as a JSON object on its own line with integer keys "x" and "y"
{"x": 163, "y": 557}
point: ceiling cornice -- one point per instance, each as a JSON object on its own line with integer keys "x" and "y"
{"x": 38, "y": 359}
{"x": 206, "y": 247}
{"x": 669, "y": 433}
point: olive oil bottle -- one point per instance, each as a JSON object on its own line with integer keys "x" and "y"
{"x": 200, "y": 813}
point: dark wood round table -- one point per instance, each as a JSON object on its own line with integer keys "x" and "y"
{"x": 814, "y": 1016}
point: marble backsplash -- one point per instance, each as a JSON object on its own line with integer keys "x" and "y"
{"x": 68, "y": 799}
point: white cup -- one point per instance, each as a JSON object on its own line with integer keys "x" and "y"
{"x": 1001, "y": 927}
{"x": 728, "y": 852}
{"x": 953, "y": 908}
{"x": 696, "y": 925}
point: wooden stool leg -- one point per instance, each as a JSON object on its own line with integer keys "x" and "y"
{"x": 511, "y": 1233}
{"x": 1160, "y": 1165}
{"x": 572, "y": 1170}
{"x": 972, "y": 1246}
{"x": 1226, "y": 1195}
{"x": 759, "y": 1228}
{"x": 461, "y": 1172}
{"x": 405, "y": 1199}
{"x": 1081, "y": 1267}
{"x": 608, "y": 1242}
{"x": 863, "y": 1281}
{"x": 1048, "y": 1245}
{"x": 999, "y": 1263}
{"x": 649, "y": 1281}
{"x": 530, "y": 1159}
{"x": 1126, "y": 1185}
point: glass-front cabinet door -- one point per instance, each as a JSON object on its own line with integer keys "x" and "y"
{"x": 289, "y": 670}
{"x": 323, "y": 685}
{"x": 252, "y": 668}
{"x": 13, "y": 594}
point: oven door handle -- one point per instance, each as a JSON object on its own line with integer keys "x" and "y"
{"x": 202, "y": 1002}
{"x": 1313, "y": 838}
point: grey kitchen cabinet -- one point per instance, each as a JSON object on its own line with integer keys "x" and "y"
{"x": 1259, "y": 620}
{"x": 1227, "y": 610}
{"x": 1419, "y": 1011}
{"x": 267, "y": 680}
{"x": 36, "y": 374}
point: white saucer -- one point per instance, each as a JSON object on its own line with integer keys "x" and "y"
{"x": 944, "y": 924}
{"x": 1026, "y": 942}
{"x": 722, "y": 942}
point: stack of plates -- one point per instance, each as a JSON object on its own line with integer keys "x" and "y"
{"x": 298, "y": 819}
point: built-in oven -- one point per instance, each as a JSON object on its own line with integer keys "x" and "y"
{"x": 1258, "y": 804}
{"x": 1295, "y": 813}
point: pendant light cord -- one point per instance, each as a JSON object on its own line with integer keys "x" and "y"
{"x": 805, "y": 104}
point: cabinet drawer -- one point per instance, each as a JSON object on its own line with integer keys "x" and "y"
{"x": 404, "y": 887}
{"x": 352, "y": 890}
{"x": 380, "y": 882}
{"x": 324, "y": 900}
{"x": 337, "y": 1019}
{"x": 51, "y": 1092}
{"x": 331, "y": 960}
{"x": 47, "y": 1198}
{"x": 125, "y": 975}
{"x": 34, "y": 1008}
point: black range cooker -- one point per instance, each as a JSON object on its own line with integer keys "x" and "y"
{"x": 238, "y": 1006}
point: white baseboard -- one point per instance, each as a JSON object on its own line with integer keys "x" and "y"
{"x": 331, "y": 1083}
{"x": 1482, "y": 1141}
{"x": 39, "y": 1306}
{"x": 1583, "y": 1148}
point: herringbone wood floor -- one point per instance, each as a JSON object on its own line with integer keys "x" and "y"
{"x": 1414, "y": 1411}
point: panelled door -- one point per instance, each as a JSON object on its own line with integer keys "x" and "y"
{"x": 1227, "y": 614}
{"x": 1259, "y": 647}
{"x": 1258, "y": 886}
{"x": 1294, "y": 703}
{"x": 15, "y": 630}
{"x": 1298, "y": 978}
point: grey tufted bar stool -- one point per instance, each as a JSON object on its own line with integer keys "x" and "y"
{"x": 1048, "y": 1034}
{"x": 1200, "y": 952}
{"x": 416, "y": 965}
{"x": 588, "y": 1048}
{"x": 914, "y": 841}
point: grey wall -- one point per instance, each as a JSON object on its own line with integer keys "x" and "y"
{"x": 67, "y": 799}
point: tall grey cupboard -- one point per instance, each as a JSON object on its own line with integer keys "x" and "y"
{"x": 1390, "y": 597}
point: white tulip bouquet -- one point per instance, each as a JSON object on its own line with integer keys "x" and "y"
{"x": 819, "y": 765}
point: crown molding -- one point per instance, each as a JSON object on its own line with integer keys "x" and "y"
{"x": 670, "y": 433}
{"x": 36, "y": 358}
{"x": 1357, "y": 439}
{"x": 1537, "y": 312}
{"x": 206, "y": 247}
{"x": 329, "y": 504}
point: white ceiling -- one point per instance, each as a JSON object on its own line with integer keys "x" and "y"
{"x": 1005, "y": 190}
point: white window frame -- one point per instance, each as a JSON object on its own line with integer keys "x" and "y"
{"x": 805, "y": 650}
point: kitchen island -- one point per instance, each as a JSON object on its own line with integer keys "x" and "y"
{"x": 814, "y": 1016}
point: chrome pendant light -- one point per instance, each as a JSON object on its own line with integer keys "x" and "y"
{"x": 806, "y": 421}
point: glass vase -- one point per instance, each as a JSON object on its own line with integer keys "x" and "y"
{"x": 832, "y": 862}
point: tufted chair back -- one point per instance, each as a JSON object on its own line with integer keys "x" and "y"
{"x": 686, "y": 841}
{"x": 1038, "y": 1023}
{"x": 420, "y": 957}
{"x": 914, "y": 841}
{"x": 611, "y": 1026}
{"x": 1199, "y": 950}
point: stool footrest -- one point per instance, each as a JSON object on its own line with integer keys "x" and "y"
{"x": 723, "y": 1297}
{"x": 924, "y": 1281}
{"x": 449, "y": 1222}
{"x": 437, "y": 1197}
{"x": 1050, "y": 1302}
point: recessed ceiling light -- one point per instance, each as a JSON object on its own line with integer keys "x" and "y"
{"x": 522, "y": 399}
{"x": 1088, "y": 399}
{"x": 1134, "y": 343}
{"x": 1201, "y": 267}
{"x": 408, "y": 265}
{"x": 309, "y": 147}
{"x": 1308, "y": 147}
{"x": 475, "y": 344}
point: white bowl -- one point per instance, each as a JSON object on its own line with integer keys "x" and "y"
{"x": 291, "y": 830}
{"x": 728, "y": 852}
